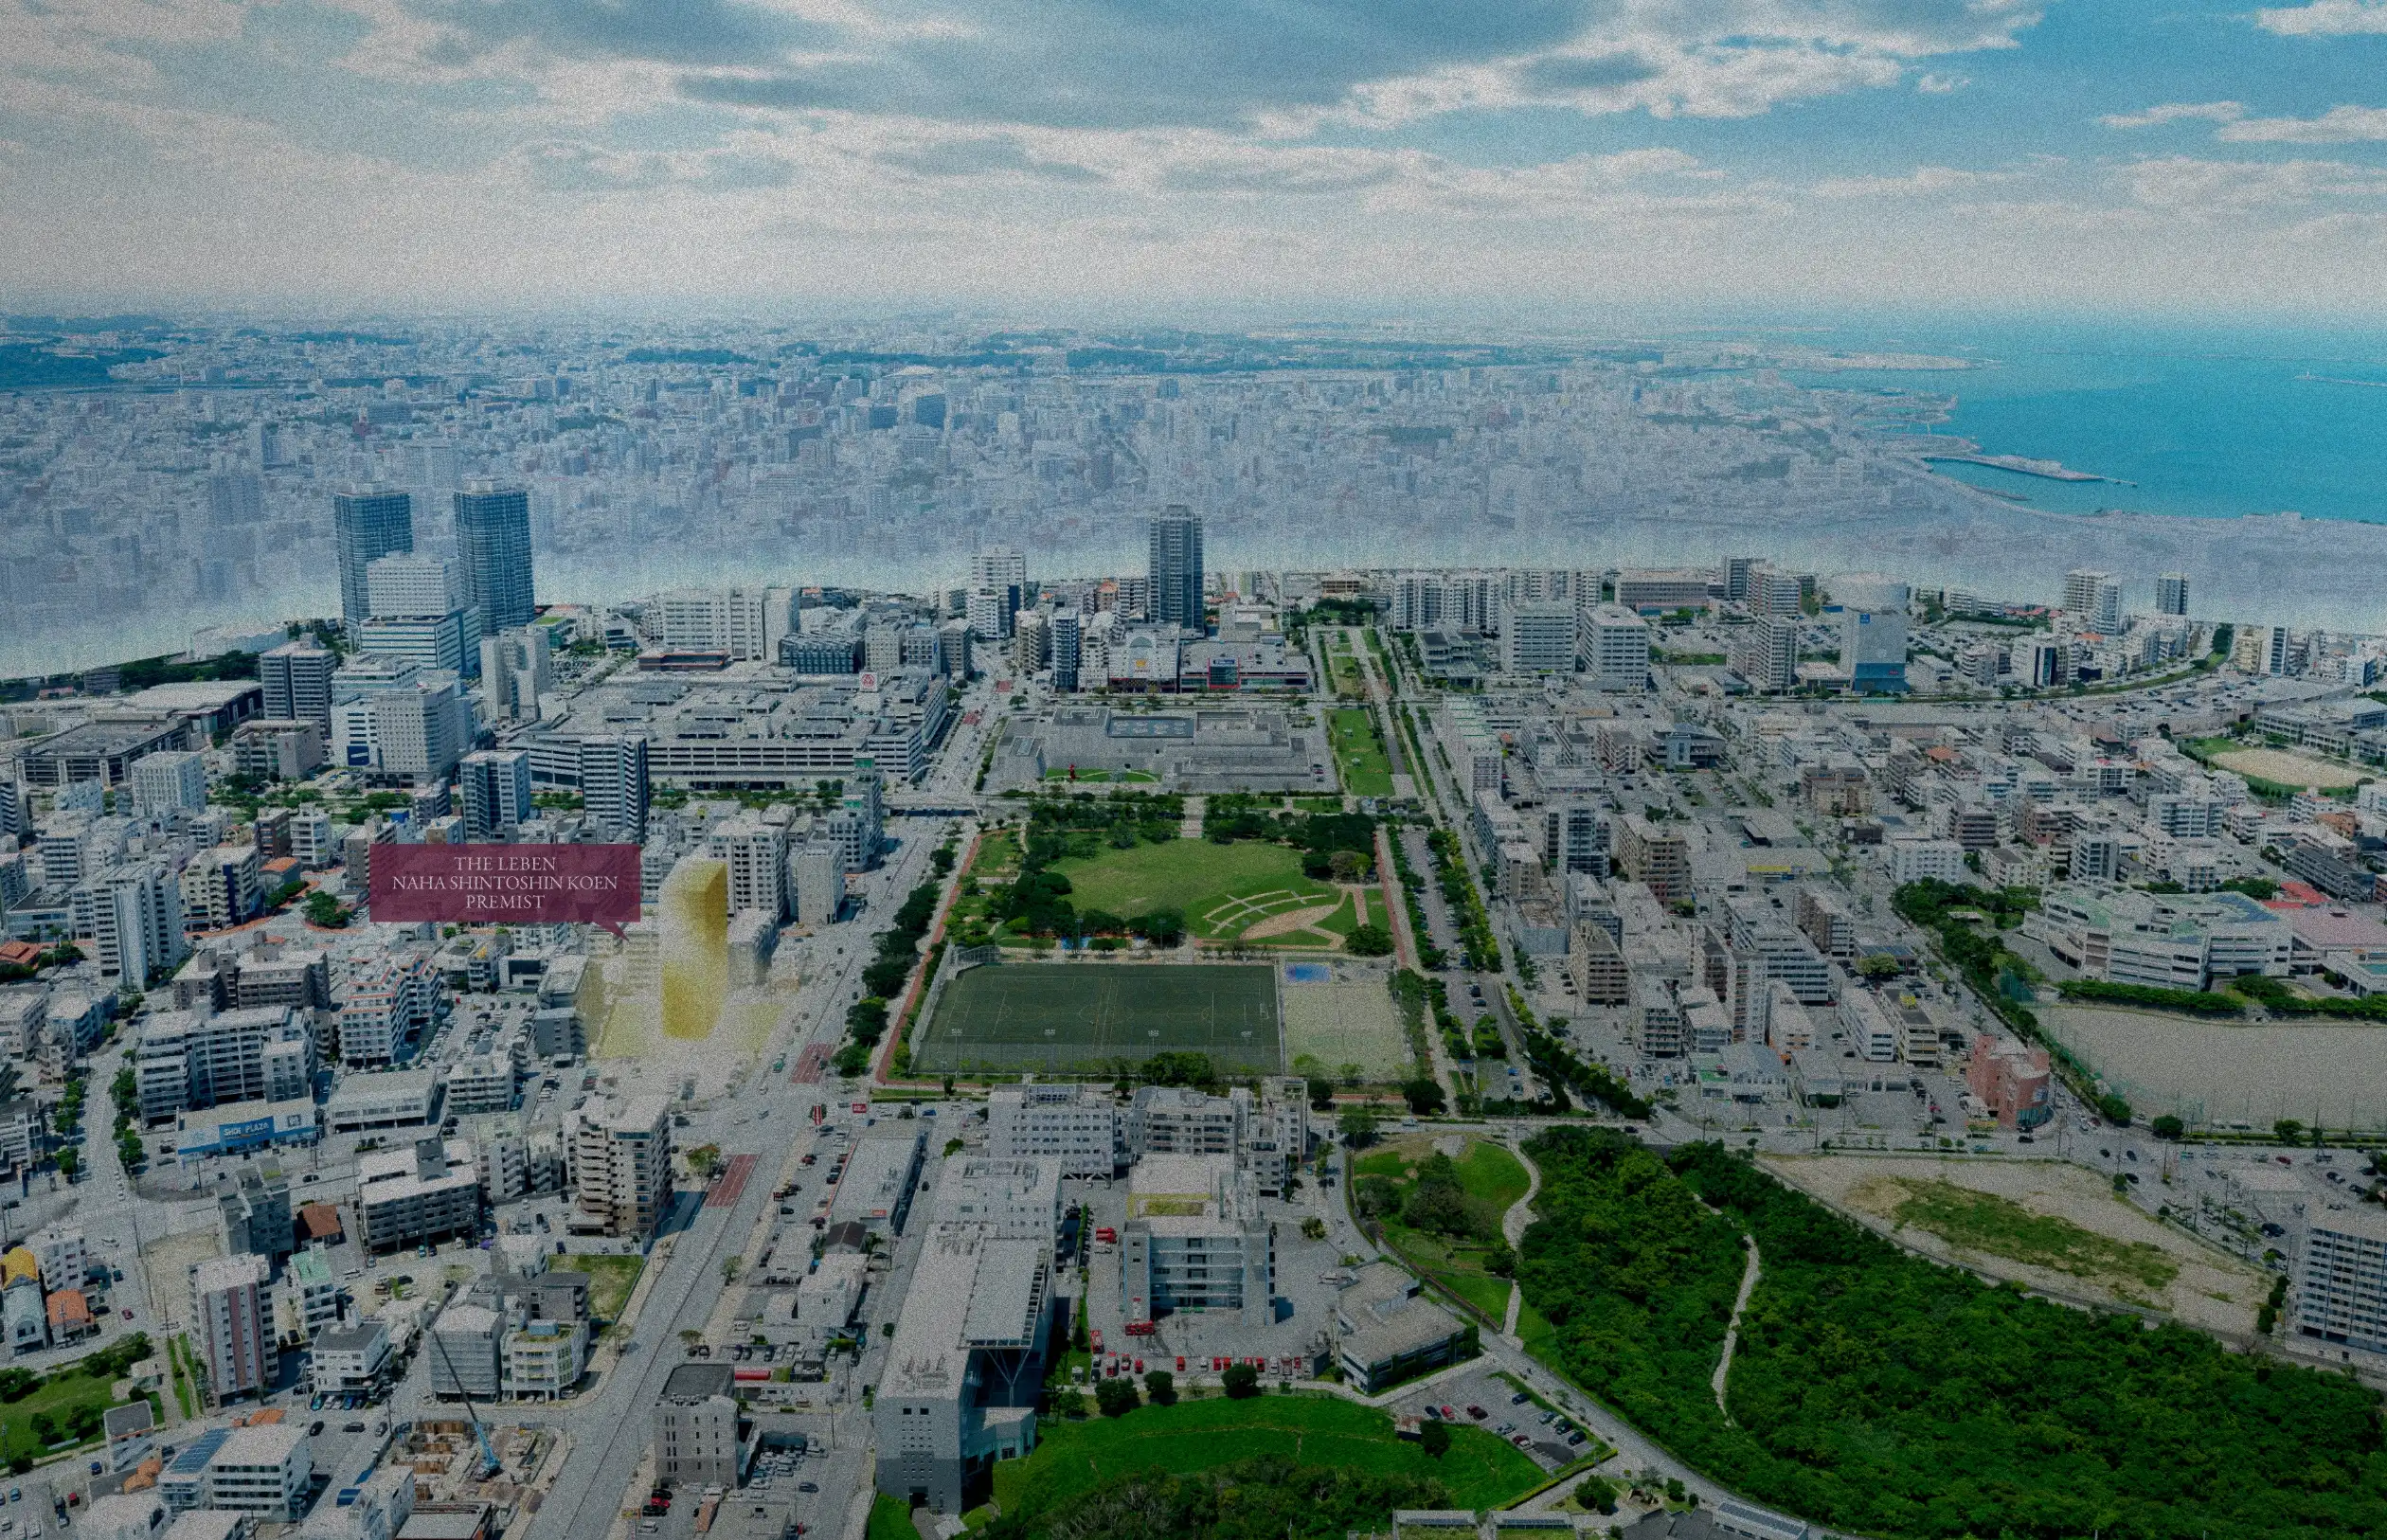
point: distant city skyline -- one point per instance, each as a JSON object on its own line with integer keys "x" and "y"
{"x": 514, "y": 155}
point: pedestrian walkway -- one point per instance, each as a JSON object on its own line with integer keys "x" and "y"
{"x": 1192, "y": 827}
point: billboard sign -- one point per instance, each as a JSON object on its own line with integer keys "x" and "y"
{"x": 519, "y": 885}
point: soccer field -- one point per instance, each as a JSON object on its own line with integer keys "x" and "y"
{"x": 1082, "y": 1018}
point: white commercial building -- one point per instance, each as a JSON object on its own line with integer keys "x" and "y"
{"x": 1614, "y": 643}
{"x": 2170, "y": 940}
{"x": 1079, "y": 1127}
{"x": 958, "y": 1391}
{"x": 1912, "y": 860}
{"x": 1195, "y": 1240}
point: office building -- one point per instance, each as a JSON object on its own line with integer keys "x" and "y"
{"x": 496, "y": 793}
{"x": 743, "y": 623}
{"x": 1195, "y": 1240}
{"x": 2171, "y": 593}
{"x": 393, "y": 718}
{"x": 1072, "y": 1124}
{"x": 998, "y": 586}
{"x": 613, "y": 782}
{"x": 263, "y": 1471}
{"x": 620, "y": 1161}
{"x": 2342, "y": 1278}
{"x": 492, "y": 548}
{"x": 881, "y": 1178}
{"x": 169, "y": 782}
{"x": 366, "y": 525}
{"x": 230, "y": 1304}
{"x": 297, "y": 677}
{"x": 1873, "y": 652}
{"x": 702, "y": 1435}
{"x": 1614, "y": 643}
{"x": 958, "y": 1391}
{"x": 1538, "y": 637}
{"x": 1017, "y": 1199}
{"x": 1176, "y": 570}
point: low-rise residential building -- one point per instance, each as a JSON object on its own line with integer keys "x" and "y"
{"x": 2012, "y": 1082}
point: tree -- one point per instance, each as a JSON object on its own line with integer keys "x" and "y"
{"x": 1069, "y": 1402}
{"x": 1357, "y": 1127}
{"x": 2288, "y": 1131}
{"x": 1434, "y": 1438}
{"x": 1116, "y": 1398}
{"x": 1313, "y": 1229}
{"x": 2114, "y": 1109}
{"x": 1370, "y": 941}
{"x": 68, "y": 1163}
{"x": 704, "y": 1160}
{"x": 1425, "y": 1096}
{"x": 1242, "y": 1382}
{"x": 1879, "y": 966}
{"x": 2167, "y": 1127}
{"x": 1161, "y": 1386}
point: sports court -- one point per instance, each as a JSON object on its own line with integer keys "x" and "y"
{"x": 1080, "y": 1018}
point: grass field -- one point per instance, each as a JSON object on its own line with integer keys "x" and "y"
{"x": 1080, "y": 1018}
{"x": 2296, "y": 771}
{"x": 610, "y": 1280}
{"x": 1360, "y": 753}
{"x": 1481, "y": 1470}
{"x": 1188, "y": 875}
{"x": 57, "y": 1400}
{"x": 1985, "y": 1222}
{"x": 1493, "y": 1179}
{"x": 1223, "y": 890}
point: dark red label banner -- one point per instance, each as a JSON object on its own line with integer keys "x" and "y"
{"x": 521, "y": 885}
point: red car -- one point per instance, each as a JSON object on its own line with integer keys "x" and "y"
{"x": 1478, "y": 1413}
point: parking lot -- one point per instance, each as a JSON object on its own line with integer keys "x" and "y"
{"x": 1480, "y": 1398}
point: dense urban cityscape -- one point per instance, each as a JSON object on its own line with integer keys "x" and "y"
{"x": 1074, "y": 1007}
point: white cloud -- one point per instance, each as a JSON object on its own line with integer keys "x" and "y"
{"x": 1935, "y": 85}
{"x": 1923, "y": 182}
{"x": 2339, "y": 125}
{"x": 2175, "y": 111}
{"x": 2191, "y": 185}
{"x": 2326, "y": 18}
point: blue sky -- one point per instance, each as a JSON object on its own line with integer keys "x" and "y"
{"x": 1535, "y": 158}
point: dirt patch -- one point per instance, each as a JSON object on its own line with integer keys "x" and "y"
{"x": 2289, "y": 769}
{"x": 1289, "y": 922}
{"x": 2042, "y": 1224}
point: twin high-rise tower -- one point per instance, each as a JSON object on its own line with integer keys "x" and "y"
{"x": 492, "y": 548}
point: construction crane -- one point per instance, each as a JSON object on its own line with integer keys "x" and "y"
{"x": 488, "y": 1466}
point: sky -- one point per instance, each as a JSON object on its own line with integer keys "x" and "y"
{"x": 1522, "y": 158}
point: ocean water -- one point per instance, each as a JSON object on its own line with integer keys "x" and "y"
{"x": 2210, "y": 423}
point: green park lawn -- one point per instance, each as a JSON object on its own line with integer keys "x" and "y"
{"x": 1493, "y": 1179}
{"x": 891, "y": 1519}
{"x": 1360, "y": 753}
{"x": 1481, "y": 1470}
{"x": 1192, "y": 876}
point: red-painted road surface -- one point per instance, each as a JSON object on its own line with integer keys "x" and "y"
{"x": 809, "y": 1064}
{"x": 730, "y": 1186}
